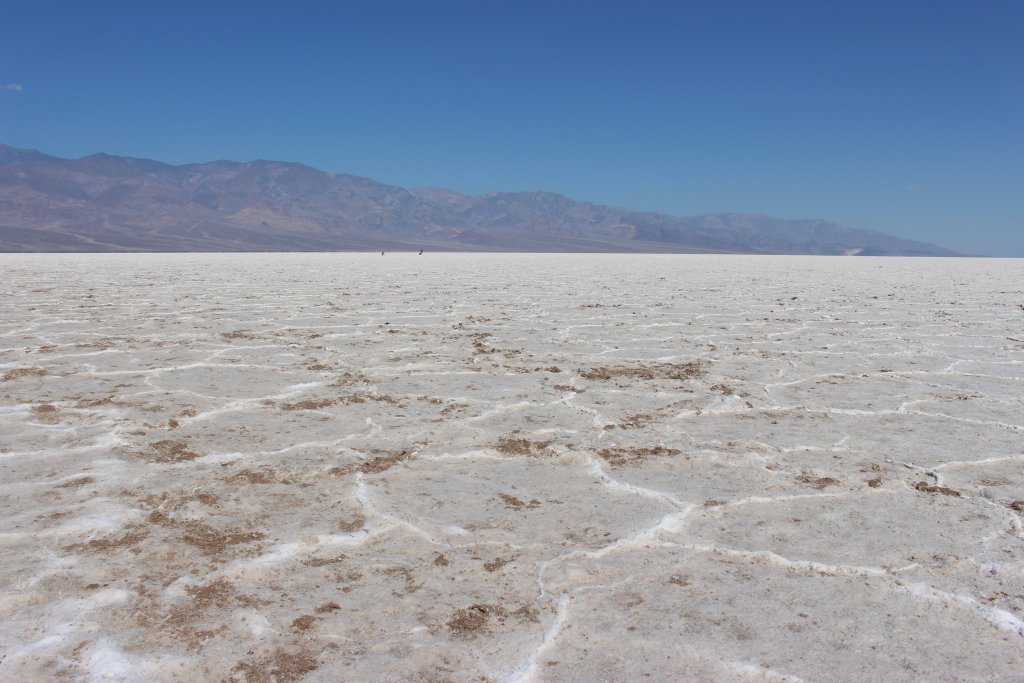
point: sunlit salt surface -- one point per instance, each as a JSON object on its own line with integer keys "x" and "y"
{"x": 465, "y": 467}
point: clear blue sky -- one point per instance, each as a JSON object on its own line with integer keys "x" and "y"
{"x": 906, "y": 117}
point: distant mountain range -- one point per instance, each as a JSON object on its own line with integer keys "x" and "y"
{"x": 110, "y": 203}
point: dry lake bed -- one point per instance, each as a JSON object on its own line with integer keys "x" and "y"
{"x": 455, "y": 467}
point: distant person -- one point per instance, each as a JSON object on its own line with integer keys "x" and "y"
{"x": 421, "y": 252}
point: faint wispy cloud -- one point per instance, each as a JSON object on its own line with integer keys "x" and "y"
{"x": 16, "y": 87}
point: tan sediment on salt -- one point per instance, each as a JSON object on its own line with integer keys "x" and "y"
{"x": 511, "y": 468}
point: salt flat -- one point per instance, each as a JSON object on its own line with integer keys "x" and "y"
{"x": 329, "y": 467}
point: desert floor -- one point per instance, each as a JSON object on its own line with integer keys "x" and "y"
{"x": 326, "y": 467}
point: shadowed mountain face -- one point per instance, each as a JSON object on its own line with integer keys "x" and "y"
{"x": 108, "y": 203}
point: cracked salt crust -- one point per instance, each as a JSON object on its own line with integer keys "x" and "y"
{"x": 511, "y": 468}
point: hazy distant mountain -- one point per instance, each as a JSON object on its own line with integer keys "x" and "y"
{"x": 109, "y": 203}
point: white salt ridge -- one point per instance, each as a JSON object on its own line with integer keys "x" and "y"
{"x": 999, "y": 618}
{"x": 293, "y": 550}
{"x": 528, "y": 671}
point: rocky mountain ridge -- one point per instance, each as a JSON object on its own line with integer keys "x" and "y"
{"x": 110, "y": 203}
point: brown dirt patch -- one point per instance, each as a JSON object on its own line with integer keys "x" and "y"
{"x": 620, "y": 456}
{"x": 817, "y": 482}
{"x": 349, "y": 377}
{"x": 210, "y": 499}
{"x": 384, "y": 462}
{"x": 403, "y": 573}
{"x": 209, "y": 539}
{"x": 18, "y": 373}
{"x": 928, "y": 488}
{"x": 671, "y": 371}
{"x": 219, "y": 593}
{"x": 452, "y": 408}
{"x": 95, "y": 402}
{"x": 480, "y": 348}
{"x": 238, "y": 334}
{"x": 367, "y": 398}
{"x": 54, "y": 516}
{"x": 168, "y": 451}
{"x": 323, "y": 561}
{"x": 282, "y": 666}
{"x": 510, "y": 445}
{"x": 354, "y": 524}
{"x": 310, "y": 404}
{"x": 169, "y": 501}
{"x": 474, "y": 620}
{"x": 102, "y": 545}
{"x": 635, "y": 421}
{"x": 496, "y": 564}
{"x": 213, "y": 541}
{"x": 875, "y": 483}
{"x": 305, "y": 622}
{"x": 375, "y": 465}
{"x": 1017, "y": 505}
{"x": 528, "y": 613}
{"x": 321, "y": 403}
{"x": 267, "y": 475}
{"x": 98, "y": 345}
{"x": 181, "y": 620}
{"x": 75, "y": 483}
{"x": 517, "y": 503}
